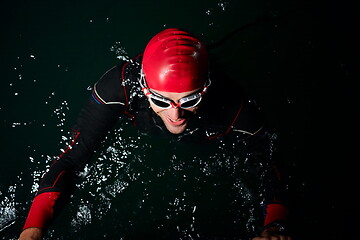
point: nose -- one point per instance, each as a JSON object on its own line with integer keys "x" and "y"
{"x": 174, "y": 113}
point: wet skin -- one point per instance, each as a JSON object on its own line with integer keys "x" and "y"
{"x": 175, "y": 119}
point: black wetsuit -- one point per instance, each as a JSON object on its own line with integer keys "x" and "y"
{"x": 118, "y": 94}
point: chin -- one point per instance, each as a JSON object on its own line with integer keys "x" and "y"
{"x": 176, "y": 129}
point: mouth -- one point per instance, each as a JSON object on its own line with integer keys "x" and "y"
{"x": 177, "y": 122}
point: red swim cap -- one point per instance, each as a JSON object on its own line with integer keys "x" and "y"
{"x": 175, "y": 61}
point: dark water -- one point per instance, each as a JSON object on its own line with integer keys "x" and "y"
{"x": 295, "y": 58}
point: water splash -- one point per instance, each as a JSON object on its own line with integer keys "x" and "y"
{"x": 7, "y": 208}
{"x": 120, "y": 52}
{"x": 138, "y": 180}
{"x": 83, "y": 216}
{"x": 223, "y": 4}
{"x": 60, "y": 113}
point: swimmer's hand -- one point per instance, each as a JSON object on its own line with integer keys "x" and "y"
{"x": 31, "y": 234}
{"x": 272, "y": 233}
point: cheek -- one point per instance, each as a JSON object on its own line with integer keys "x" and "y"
{"x": 192, "y": 110}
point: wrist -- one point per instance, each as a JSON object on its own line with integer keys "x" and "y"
{"x": 31, "y": 233}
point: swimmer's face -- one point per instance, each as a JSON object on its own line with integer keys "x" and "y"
{"x": 175, "y": 119}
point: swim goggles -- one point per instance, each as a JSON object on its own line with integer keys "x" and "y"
{"x": 187, "y": 102}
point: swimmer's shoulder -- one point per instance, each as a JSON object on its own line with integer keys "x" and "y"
{"x": 108, "y": 88}
{"x": 114, "y": 83}
{"x": 250, "y": 120}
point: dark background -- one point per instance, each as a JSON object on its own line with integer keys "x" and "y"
{"x": 296, "y": 58}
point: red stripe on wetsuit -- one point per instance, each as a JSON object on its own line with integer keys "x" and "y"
{"x": 275, "y": 212}
{"x": 229, "y": 128}
{"x": 42, "y": 208}
{"x": 41, "y": 211}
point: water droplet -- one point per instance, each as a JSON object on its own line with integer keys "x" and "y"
{"x": 222, "y": 5}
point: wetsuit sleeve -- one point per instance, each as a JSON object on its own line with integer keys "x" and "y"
{"x": 93, "y": 123}
{"x": 250, "y": 121}
{"x": 275, "y": 198}
{"x": 273, "y": 177}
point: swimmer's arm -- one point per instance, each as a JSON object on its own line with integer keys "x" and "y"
{"x": 31, "y": 234}
{"x": 275, "y": 191}
{"x": 92, "y": 125}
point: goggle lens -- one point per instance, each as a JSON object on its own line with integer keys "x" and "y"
{"x": 186, "y": 102}
{"x": 191, "y": 103}
{"x": 159, "y": 103}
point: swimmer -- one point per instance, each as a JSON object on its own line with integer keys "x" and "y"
{"x": 167, "y": 90}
